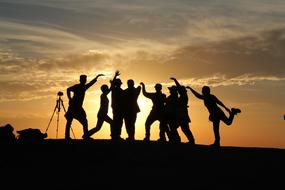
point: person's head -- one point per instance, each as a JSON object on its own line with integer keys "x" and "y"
{"x": 104, "y": 88}
{"x": 206, "y": 90}
{"x": 131, "y": 83}
{"x": 158, "y": 87}
{"x": 183, "y": 89}
{"x": 117, "y": 82}
{"x": 83, "y": 79}
{"x": 172, "y": 89}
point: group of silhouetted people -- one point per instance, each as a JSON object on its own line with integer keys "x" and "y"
{"x": 170, "y": 111}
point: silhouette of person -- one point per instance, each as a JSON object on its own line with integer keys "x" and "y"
{"x": 131, "y": 95}
{"x": 170, "y": 114}
{"x": 75, "y": 109}
{"x": 157, "y": 112}
{"x": 117, "y": 104}
{"x": 103, "y": 111}
{"x": 212, "y": 103}
{"x": 183, "y": 118}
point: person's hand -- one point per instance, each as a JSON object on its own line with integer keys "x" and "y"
{"x": 172, "y": 78}
{"x": 99, "y": 76}
{"x": 117, "y": 73}
{"x": 141, "y": 83}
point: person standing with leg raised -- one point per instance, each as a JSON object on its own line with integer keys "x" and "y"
{"x": 216, "y": 113}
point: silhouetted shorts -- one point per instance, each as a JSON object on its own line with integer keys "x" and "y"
{"x": 217, "y": 115}
{"x": 76, "y": 113}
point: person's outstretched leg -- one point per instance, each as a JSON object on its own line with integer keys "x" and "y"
{"x": 97, "y": 128}
{"x": 229, "y": 120}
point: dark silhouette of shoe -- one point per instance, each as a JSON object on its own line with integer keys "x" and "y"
{"x": 117, "y": 139}
{"x": 67, "y": 138}
{"x": 215, "y": 144}
{"x": 235, "y": 111}
{"x": 146, "y": 139}
{"x": 161, "y": 140}
{"x": 130, "y": 139}
{"x": 191, "y": 143}
{"x": 87, "y": 138}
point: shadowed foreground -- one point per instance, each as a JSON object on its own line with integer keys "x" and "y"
{"x": 56, "y": 164}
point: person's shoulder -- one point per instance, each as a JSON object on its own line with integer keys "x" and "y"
{"x": 212, "y": 96}
{"x": 74, "y": 86}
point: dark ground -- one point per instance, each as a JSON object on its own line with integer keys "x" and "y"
{"x": 56, "y": 164}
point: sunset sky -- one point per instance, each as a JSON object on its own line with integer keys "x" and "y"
{"x": 236, "y": 47}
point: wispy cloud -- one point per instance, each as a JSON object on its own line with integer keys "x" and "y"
{"x": 222, "y": 80}
{"x": 45, "y": 45}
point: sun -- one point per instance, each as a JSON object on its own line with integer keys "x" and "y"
{"x": 142, "y": 102}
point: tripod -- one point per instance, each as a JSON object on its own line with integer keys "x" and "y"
{"x": 57, "y": 109}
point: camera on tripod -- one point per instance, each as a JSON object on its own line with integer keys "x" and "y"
{"x": 60, "y": 93}
{"x": 57, "y": 108}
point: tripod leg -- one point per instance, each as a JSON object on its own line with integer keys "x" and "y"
{"x": 57, "y": 124}
{"x": 51, "y": 118}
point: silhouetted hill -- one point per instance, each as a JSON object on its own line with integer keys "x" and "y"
{"x": 56, "y": 164}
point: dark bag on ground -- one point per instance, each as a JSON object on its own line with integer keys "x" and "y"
{"x": 31, "y": 135}
{"x": 6, "y": 134}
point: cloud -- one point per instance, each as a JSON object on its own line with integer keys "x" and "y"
{"x": 48, "y": 44}
{"x": 260, "y": 54}
{"x": 222, "y": 80}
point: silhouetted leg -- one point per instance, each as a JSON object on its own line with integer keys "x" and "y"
{"x": 175, "y": 138}
{"x": 216, "y": 128}
{"x": 108, "y": 119}
{"x": 117, "y": 126}
{"x": 228, "y": 120}
{"x": 67, "y": 128}
{"x": 130, "y": 125}
{"x": 149, "y": 121}
{"x": 84, "y": 123}
{"x": 186, "y": 130}
{"x": 97, "y": 128}
{"x": 120, "y": 125}
{"x": 163, "y": 129}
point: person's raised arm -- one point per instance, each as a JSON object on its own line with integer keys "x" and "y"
{"x": 222, "y": 104}
{"x": 145, "y": 93}
{"x": 88, "y": 85}
{"x": 138, "y": 90}
{"x": 200, "y": 96}
{"x": 117, "y": 73}
{"x": 176, "y": 82}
